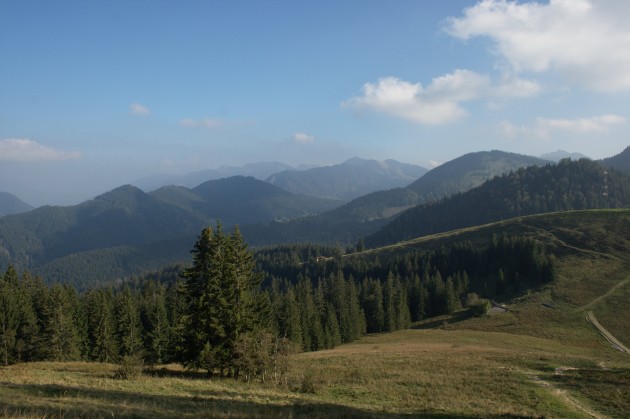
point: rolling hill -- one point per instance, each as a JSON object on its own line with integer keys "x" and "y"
{"x": 127, "y": 230}
{"x": 349, "y": 180}
{"x": 568, "y": 185}
{"x": 11, "y": 204}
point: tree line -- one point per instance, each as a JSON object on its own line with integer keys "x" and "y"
{"x": 235, "y": 314}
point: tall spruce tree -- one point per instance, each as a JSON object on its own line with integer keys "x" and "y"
{"x": 220, "y": 292}
{"x": 102, "y": 327}
{"x": 9, "y": 315}
{"x": 60, "y": 329}
{"x": 128, "y": 328}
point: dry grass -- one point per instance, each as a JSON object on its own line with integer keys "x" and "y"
{"x": 413, "y": 372}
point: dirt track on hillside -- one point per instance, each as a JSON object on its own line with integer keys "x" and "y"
{"x": 590, "y": 317}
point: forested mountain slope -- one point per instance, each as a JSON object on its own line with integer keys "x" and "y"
{"x": 620, "y": 161}
{"x": 119, "y": 231}
{"x": 566, "y": 186}
{"x": 469, "y": 171}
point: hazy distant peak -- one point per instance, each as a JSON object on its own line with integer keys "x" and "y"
{"x": 355, "y": 161}
{"x": 348, "y": 180}
{"x": 562, "y": 154}
{"x": 11, "y": 204}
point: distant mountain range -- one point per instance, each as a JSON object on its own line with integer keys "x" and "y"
{"x": 561, "y": 154}
{"x": 127, "y": 231}
{"x": 346, "y": 181}
{"x": 368, "y": 213}
{"x": 349, "y": 180}
{"x": 260, "y": 170}
{"x": 11, "y": 204}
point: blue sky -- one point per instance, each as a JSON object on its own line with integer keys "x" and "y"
{"x": 94, "y": 94}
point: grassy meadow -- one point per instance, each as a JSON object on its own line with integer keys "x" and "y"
{"x": 539, "y": 359}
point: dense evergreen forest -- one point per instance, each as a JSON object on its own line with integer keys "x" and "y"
{"x": 233, "y": 313}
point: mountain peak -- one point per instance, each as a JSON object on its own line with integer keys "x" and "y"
{"x": 351, "y": 179}
{"x": 11, "y": 204}
{"x": 562, "y": 154}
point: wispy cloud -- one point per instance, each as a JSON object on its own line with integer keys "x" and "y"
{"x": 302, "y": 138}
{"x": 544, "y": 128}
{"x": 584, "y": 41}
{"x": 209, "y": 123}
{"x": 441, "y": 101}
{"x": 138, "y": 109}
{"x": 25, "y": 150}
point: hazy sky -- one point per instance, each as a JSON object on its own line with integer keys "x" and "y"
{"x": 94, "y": 94}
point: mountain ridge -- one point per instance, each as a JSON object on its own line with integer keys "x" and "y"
{"x": 568, "y": 185}
{"x": 11, "y": 204}
{"x": 349, "y": 180}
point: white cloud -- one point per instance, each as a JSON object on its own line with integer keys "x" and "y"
{"x": 544, "y": 128}
{"x": 434, "y": 163}
{"x": 583, "y": 125}
{"x": 302, "y": 138}
{"x": 512, "y": 86}
{"x": 138, "y": 109}
{"x": 584, "y": 41}
{"x": 209, "y": 123}
{"x": 25, "y": 150}
{"x": 437, "y": 104}
{"x": 440, "y": 102}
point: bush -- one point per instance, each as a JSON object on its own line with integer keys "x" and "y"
{"x": 481, "y": 308}
{"x": 308, "y": 384}
{"x": 130, "y": 367}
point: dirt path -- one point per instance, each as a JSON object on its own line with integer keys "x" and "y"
{"x": 601, "y": 297}
{"x": 590, "y": 317}
{"x": 563, "y": 395}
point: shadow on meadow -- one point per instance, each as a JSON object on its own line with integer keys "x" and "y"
{"x": 47, "y": 400}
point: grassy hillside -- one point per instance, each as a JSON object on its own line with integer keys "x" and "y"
{"x": 540, "y": 358}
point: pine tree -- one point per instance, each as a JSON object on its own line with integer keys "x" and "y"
{"x": 220, "y": 292}
{"x": 60, "y": 330}
{"x": 9, "y": 315}
{"x": 128, "y": 327}
{"x": 372, "y": 303}
{"x": 332, "y": 334}
{"x": 102, "y": 328}
{"x": 156, "y": 325}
